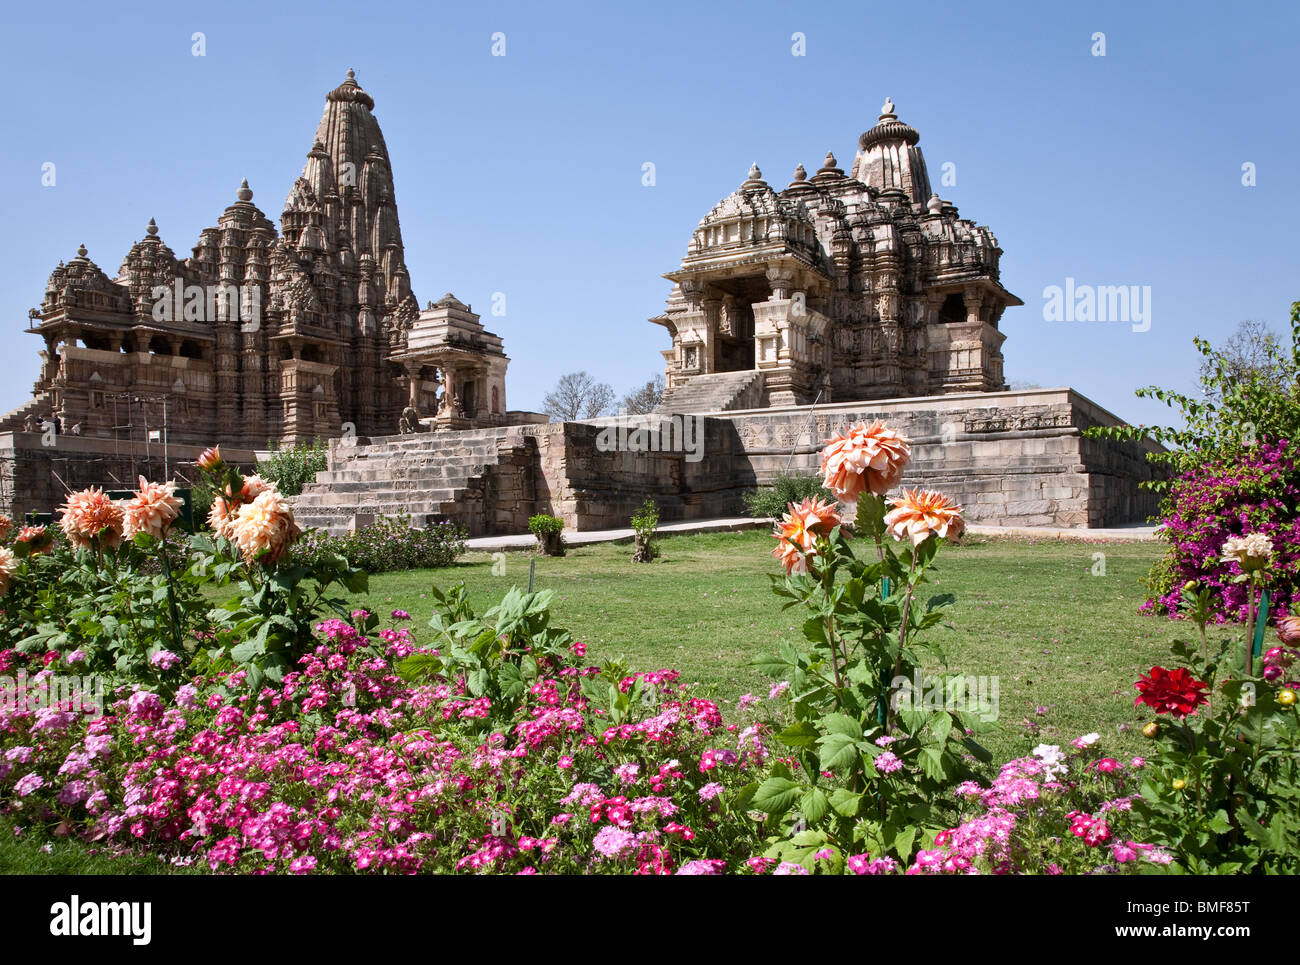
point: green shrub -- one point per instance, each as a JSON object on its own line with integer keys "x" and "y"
{"x": 544, "y": 525}
{"x": 772, "y": 500}
{"x": 549, "y": 533}
{"x": 291, "y": 469}
{"x": 644, "y": 522}
{"x": 388, "y": 544}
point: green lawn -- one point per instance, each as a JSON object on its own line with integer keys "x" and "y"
{"x": 1030, "y": 613}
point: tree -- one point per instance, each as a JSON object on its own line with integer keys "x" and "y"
{"x": 645, "y": 399}
{"x": 1253, "y": 351}
{"x": 577, "y": 396}
{"x": 1250, "y": 393}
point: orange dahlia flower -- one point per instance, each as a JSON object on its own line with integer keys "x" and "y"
{"x": 264, "y": 528}
{"x": 153, "y": 510}
{"x": 254, "y": 486}
{"x": 866, "y": 458}
{"x": 90, "y": 518}
{"x": 798, "y": 531}
{"x": 222, "y": 515}
{"x": 919, "y": 513}
{"x": 6, "y": 526}
{"x": 37, "y": 537}
{"x": 8, "y": 567}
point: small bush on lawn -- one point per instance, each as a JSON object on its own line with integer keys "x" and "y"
{"x": 549, "y": 531}
{"x": 644, "y": 524}
{"x": 773, "y": 500}
{"x": 390, "y": 543}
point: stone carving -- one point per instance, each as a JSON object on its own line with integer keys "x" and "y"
{"x": 1022, "y": 421}
{"x": 409, "y": 422}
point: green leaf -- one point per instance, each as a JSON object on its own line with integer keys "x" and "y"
{"x": 845, "y": 802}
{"x": 841, "y": 724}
{"x": 775, "y": 796}
{"x": 838, "y": 753}
{"x": 931, "y": 761}
{"x": 814, "y": 805}
{"x": 799, "y": 734}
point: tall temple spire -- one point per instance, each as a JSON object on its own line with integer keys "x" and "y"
{"x": 348, "y": 172}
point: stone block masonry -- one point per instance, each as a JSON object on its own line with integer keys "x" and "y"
{"x": 1010, "y": 458}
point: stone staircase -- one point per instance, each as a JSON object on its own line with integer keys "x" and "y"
{"x": 716, "y": 392}
{"x": 466, "y": 476}
{"x": 39, "y": 406}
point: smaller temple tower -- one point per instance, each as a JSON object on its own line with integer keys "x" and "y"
{"x": 837, "y": 288}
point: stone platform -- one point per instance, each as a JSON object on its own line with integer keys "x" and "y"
{"x": 1010, "y": 458}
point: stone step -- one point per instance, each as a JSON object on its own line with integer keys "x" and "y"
{"x": 389, "y": 487}
{"x": 348, "y": 476}
{"x": 715, "y": 392}
{"x": 376, "y": 497}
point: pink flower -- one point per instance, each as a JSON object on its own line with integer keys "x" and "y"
{"x": 710, "y": 791}
{"x": 165, "y": 660}
{"x": 28, "y": 783}
{"x": 703, "y": 866}
{"x": 888, "y": 762}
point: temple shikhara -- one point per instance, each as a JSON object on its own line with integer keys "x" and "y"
{"x": 840, "y": 287}
{"x": 263, "y": 337}
{"x": 842, "y": 297}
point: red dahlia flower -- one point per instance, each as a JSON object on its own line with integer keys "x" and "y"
{"x": 1174, "y": 692}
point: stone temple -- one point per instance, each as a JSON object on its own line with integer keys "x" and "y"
{"x": 841, "y": 287}
{"x": 841, "y": 298}
{"x": 263, "y": 336}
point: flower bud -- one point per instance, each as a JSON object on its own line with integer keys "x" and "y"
{"x": 210, "y": 459}
{"x": 1151, "y": 729}
{"x": 1286, "y": 698}
{"x": 1288, "y": 630}
{"x": 1179, "y": 784}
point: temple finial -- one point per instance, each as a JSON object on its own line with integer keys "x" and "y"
{"x": 152, "y": 228}
{"x": 245, "y": 193}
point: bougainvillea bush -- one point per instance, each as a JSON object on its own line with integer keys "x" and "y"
{"x": 1256, "y": 490}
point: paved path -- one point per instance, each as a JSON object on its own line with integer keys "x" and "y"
{"x": 493, "y": 544}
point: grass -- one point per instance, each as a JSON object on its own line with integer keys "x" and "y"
{"x": 37, "y": 854}
{"x": 1032, "y": 614}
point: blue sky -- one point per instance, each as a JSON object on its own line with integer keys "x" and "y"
{"x": 522, "y": 174}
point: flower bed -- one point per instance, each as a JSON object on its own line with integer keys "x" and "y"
{"x": 279, "y": 732}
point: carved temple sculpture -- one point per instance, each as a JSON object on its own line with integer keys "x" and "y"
{"x": 263, "y": 336}
{"x": 841, "y": 287}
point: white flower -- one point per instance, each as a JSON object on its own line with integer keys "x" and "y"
{"x": 1053, "y": 759}
{"x": 1087, "y": 740}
